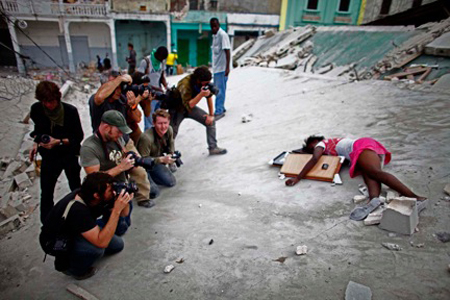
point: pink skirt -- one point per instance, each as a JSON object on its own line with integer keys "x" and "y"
{"x": 366, "y": 144}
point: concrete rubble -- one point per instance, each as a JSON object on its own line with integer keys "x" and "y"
{"x": 400, "y": 216}
{"x": 292, "y": 49}
{"x": 357, "y": 291}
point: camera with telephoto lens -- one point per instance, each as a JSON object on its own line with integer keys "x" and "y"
{"x": 176, "y": 155}
{"x": 129, "y": 187}
{"x": 210, "y": 86}
{"x": 45, "y": 139}
{"x": 139, "y": 89}
{"x": 145, "y": 162}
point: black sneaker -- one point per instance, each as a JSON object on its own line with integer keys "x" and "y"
{"x": 147, "y": 203}
{"x": 90, "y": 272}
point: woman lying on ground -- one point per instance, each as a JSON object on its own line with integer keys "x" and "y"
{"x": 367, "y": 157}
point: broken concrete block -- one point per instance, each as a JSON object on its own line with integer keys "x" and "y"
{"x": 390, "y": 195}
{"x": 391, "y": 246}
{"x": 301, "y": 250}
{"x": 359, "y": 199}
{"x": 447, "y": 188}
{"x": 357, "y": 291}
{"x": 31, "y": 171}
{"x": 22, "y": 181}
{"x": 10, "y": 224}
{"x": 401, "y": 215}
{"x": 8, "y": 211}
{"x": 269, "y": 33}
{"x": 4, "y": 162}
{"x": 374, "y": 217}
{"x": 169, "y": 268}
{"x": 12, "y": 167}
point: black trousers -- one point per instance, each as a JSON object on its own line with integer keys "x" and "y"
{"x": 51, "y": 168}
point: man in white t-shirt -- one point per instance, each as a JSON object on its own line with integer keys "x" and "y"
{"x": 221, "y": 65}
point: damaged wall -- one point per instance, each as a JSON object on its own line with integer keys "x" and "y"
{"x": 152, "y": 6}
{"x": 373, "y": 8}
{"x": 88, "y": 40}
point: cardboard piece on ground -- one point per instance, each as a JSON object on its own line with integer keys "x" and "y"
{"x": 294, "y": 163}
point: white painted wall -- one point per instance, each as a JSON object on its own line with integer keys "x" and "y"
{"x": 98, "y": 33}
{"x": 43, "y": 33}
{"x": 253, "y": 19}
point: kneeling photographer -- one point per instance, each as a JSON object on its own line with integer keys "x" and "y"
{"x": 71, "y": 232}
{"x": 107, "y": 151}
{"x": 157, "y": 143}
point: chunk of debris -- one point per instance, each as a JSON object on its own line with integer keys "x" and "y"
{"x": 281, "y": 259}
{"x": 9, "y": 224}
{"x": 401, "y": 215}
{"x": 180, "y": 260}
{"x": 359, "y": 199}
{"x": 391, "y": 246}
{"x": 390, "y": 195}
{"x": 247, "y": 118}
{"x": 23, "y": 181}
{"x": 301, "y": 250}
{"x": 447, "y": 188}
{"x": 211, "y": 242}
{"x": 80, "y": 292}
{"x": 169, "y": 268}
{"x": 357, "y": 291}
{"x": 443, "y": 236}
{"x": 374, "y": 217}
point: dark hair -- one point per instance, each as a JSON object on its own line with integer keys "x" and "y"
{"x": 130, "y": 45}
{"x": 311, "y": 139}
{"x": 202, "y": 74}
{"x": 214, "y": 20}
{"x": 161, "y": 53}
{"x": 47, "y": 91}
{"x": 160, "y": 113}
{"x": 94, "y": 183}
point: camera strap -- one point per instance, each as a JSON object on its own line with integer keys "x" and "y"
{"x": 69, "y": 206}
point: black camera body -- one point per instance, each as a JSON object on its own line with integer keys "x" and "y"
{"x": 145, "y": 162}
{"x": 139, "y": 89}
{"x": 129, "y": 187}
{"x": 44, "y": 139}
{"x": 177, "y": 156}
{"x": 214, "y": 89}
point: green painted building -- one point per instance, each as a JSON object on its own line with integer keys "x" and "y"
{"x": 192, "y": 37}
{"x": 319, "y": 12}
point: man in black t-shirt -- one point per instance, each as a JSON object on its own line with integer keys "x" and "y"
{"x": 89, "y": 242}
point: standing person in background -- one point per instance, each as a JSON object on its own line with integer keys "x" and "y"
{"x": 170, "y": 64}
{"x": 153, "y": 67}
{"x": 131, "y": 59}
{"x": 221, "y": 65}
{"x": 57, "y": 136}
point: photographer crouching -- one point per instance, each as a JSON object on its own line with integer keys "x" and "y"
{"x": 157, "y": 142}
{"x": 106, "y": 151}
{"x": 71, "y": 234}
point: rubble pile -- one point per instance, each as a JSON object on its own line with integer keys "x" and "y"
{"x": 294, "y": 49}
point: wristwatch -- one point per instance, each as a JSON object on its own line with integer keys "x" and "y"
{"x": 61, "y": 143}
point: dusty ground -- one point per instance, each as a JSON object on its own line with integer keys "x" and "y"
{"x": 254, "y": 219}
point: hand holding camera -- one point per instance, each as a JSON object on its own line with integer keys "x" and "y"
{"x": 127, "y": 162}
{"x": 167, "y": 159}
{"x": 48, "y": 142}
{"x": 122, "y": 200}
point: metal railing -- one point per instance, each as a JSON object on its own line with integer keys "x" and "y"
{"x": 54, "y": 8}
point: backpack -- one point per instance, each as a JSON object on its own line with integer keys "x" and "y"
{"x": 58, "y": 244}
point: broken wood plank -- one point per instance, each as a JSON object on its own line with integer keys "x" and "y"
{"x": 409, "y": 59}
{"x": 424, "y": 75}
{"x": 404, "y": 74}
{"x": 80, "y": 293}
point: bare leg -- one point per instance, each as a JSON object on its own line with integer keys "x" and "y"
{"x": 373, "y": 186}
{"x": 369, "y": 163}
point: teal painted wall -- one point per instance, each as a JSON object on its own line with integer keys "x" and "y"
{"x": 193, "y": 32}
{"x": 327, "y": 13}
{"x": 145, "y": 36}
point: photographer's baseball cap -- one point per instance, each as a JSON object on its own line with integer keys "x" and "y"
{"x": 115, "y": 118}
